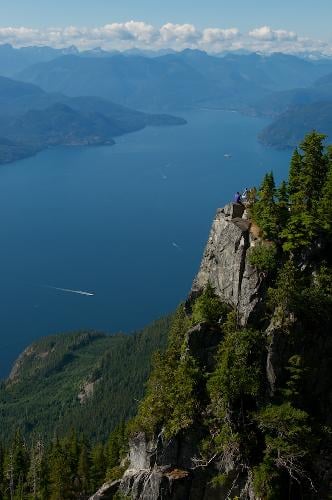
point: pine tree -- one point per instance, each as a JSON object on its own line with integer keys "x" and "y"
{"x": 295, "y": 171}
{"x": 306, "y": 181}
{"x": 37, "y": 472}
{"x": 325, "y": 203}
{"x": 16, "y": 466}
{"x": 83, "y": 470}
{"x": 113, "y": 448}
{"x": 315, "y": 166}
{"x": 282, "y": 206}
{"x": 264, "y": 211}
{"x": 98, "y": 466}
{"x": 60, "y": 473}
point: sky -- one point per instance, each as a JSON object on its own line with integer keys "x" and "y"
{"x": 212, "y": 25}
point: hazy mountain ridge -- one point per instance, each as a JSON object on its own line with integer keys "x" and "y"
{"x": 32, "y": 119}
{"x": 15, "y": 59}
{"x": 250, "y": 83}
{"x": 190, "y": 78}
{"x": 296, "y": 112}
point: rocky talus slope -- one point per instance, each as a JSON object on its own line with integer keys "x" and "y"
{"x": 169, "y": 468}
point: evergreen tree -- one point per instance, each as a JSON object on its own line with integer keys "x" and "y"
{"x": 37, "y": 473}
{"x": 282, "y": 205}
{"x": 307, "y": 179}
{"x": 114, "y": 446}
{"x": 315, "y": 165}
{"x": 60, "y": 473}
{"x": 295, "y": 172}
{"x": 325, "y": 203}
{"x": 98, "y": 465}
{"x": 264, "y": 211}
{"x": 83, "y": 470}
{"x": 284, "y": 298}
{"x": 16, "y": 466}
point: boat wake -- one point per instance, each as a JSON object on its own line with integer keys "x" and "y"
{"x": 175, "y": 245}
{"x": 68, "y": 290}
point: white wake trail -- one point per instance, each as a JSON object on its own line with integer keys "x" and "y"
{"x": 68, "y": 290}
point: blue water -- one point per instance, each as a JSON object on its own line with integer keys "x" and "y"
{"x": 127, "y": 223}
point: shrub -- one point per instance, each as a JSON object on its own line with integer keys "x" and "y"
{"x": 263, "y": 257}
{"x": 208, "y": 307}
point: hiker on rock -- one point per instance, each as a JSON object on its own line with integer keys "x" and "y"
{"x": 244, "y": 196}
{"x": 237, "y": 198}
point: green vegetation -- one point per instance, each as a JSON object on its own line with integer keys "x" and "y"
{"x": 208, "y": 307}
{"x": 65, "y": 469}
{"x": 171, "y": 389}
{"x": 277, "y": 431}
{"x": 85, "y": 381}
{"x": 263, "y": 257}
{"x": 298, "y": 214}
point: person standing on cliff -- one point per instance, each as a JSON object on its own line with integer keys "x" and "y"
{"x": 237, "y": 198}
{"x": 244, "y": 196}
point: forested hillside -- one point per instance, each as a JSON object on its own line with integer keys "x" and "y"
{"x": 83, "y": 381}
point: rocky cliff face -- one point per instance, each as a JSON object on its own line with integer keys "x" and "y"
{"x": 225, "y": 264}
{"x": 170, "y": 469}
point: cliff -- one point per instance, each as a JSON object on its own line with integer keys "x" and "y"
{"x": 225, "y": 264}
{"x": 239, "y": 425}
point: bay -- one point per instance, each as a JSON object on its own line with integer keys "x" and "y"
{"x": 126, "y": 224}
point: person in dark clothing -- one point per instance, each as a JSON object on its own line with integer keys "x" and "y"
{"x": 237, "y": 198}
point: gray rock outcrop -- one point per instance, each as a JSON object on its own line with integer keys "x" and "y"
{"x": 107, "y": 491}
{"x": 225, "y": 264}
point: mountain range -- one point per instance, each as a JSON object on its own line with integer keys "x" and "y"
{"x": 63, "y": 96}
{"x": 187, "y": 79}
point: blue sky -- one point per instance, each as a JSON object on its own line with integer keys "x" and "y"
{"x": 305, "y": 18}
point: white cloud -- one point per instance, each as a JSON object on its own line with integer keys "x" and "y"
{"x": 266, "y": 33}
{"x": 132, "y": 30}
{"x": 177, "y": 36}
{"x": 215, "y": 35}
